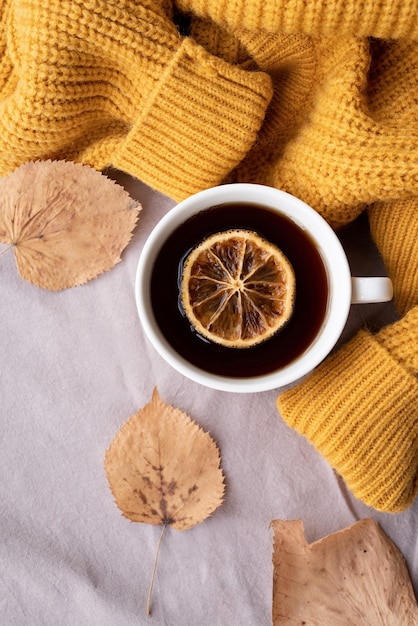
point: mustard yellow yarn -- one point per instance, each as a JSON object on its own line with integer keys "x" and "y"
{"x": 113, "y": 83}
{"x": 386, "y": 19}
{"x": 290, "y": 94}
{"x": 394, "y": 227}
{"x": 359, "y": 409}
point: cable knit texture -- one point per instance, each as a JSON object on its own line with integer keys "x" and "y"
{"x": 316, "y": 98}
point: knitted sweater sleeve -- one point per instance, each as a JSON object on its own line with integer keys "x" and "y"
{"x": 388, "y": 19}
{"x": 112, "y": 82}
{"x": 359, "y": 410}
{"x": 360, "y": 407}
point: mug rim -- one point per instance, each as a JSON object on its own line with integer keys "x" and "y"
{"x": 334, "y": 259}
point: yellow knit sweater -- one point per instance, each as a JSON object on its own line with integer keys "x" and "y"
{"x": 319, "y": 99}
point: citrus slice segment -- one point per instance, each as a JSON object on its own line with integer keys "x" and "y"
{"x": 237, "y": 288}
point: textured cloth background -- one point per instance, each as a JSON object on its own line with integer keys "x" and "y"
{"x": 74, "y": 366}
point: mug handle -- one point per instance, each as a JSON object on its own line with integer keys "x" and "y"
{"x": 366, "y": 289}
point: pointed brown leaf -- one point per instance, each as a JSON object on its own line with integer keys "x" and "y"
{"x": 352, "y": 577}
{"x": 164, "y": 469}
{"x": 67, "y": 222}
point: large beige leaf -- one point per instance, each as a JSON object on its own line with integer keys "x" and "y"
{"x": 163, "y": 468}
{"x": 67, "y": 222}
{"x": 354, "y": 577}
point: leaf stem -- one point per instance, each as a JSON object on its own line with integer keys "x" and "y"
{"x": 6, "y": 249}
{"x": 155, "y": 568}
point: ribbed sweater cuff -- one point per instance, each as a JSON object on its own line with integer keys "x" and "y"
{"x": 362, "y": 18}
{"x": 198, "y": 124}
{"x": 360, "y": 411}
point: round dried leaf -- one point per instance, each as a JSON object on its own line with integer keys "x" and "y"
{"x": 164, "y": 469}
{"x": 68, "y": 223}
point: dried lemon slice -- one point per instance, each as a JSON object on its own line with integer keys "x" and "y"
{"x": 237, "y": 288}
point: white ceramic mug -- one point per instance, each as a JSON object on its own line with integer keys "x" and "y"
{"x": 343, "y": 289}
